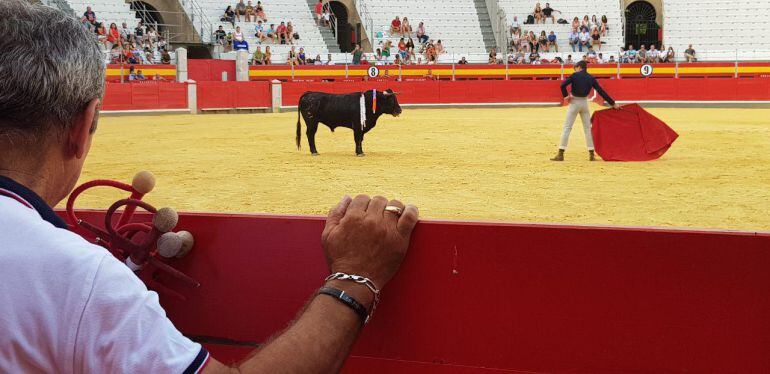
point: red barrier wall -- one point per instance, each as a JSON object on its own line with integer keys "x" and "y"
{"x": 210, "y": 70}
{"x": 114, "y": 72}
{"x": 146, "y": 95}
{"x": 534, "y": 298}
{"x": 231, "y": 95}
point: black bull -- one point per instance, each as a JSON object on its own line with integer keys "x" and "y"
{"x": 343, "y": 111}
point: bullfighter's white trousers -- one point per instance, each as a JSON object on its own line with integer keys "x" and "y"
{"x": 578, "y": 105}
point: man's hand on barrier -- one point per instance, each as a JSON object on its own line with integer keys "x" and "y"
{"x": 363, "y": 238}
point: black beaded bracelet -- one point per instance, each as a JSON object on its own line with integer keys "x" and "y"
{"x": 348, "y": 300}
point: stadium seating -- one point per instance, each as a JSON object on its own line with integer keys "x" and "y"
{"x": 298, "y": 12}
{"x": 462, "y": 26}
{"x": 107, "y": 11}
{"x": 570, "y": 9}
{"x": 718, "y": 29}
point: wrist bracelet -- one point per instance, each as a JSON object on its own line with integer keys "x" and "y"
{"x": 360, "y": 280}
{"x": 348, "y": 300}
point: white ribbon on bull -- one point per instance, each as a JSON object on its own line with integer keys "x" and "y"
{"x": 362, "y": 106}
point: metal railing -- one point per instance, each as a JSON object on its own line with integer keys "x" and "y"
{"x": 500, "y": 26}
{"x": 199, "y": 20}
{"x": 332, "y": 20}
{"x": 62, "y": 5}
{"x": 366, "y": 21}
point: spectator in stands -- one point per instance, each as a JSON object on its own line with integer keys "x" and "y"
{"x": 402, "y": 48}
{"x": 240, "y": 44}
{"x": 462, "y": 61}
{"x": 669, "y": 56}
{"x": 641, "y": 54}
{"x": 283, "y": 35}
{"x": 317, "y": 60}
{"x": 250, "y": 14}
{"x": 518, "y": 58}
{"x": 152, "y": 36}
{"x": 548, "y": 13}
{"x": 431, "y": 55}
{"x": 139, "y": 31}
{"x": 131, "y": 73}
{"x": 406, "y": 28}
{"x": 158, "y": 78}
{"x": 533, "y": 44}
{"x": 395, "y": 26}
{"x": 357, "y": 53}
{"x": 653, "y": 55}
{"x": 89, "y": 14}
{"x": 87, "y": 25}
{"x": 594, "y": 23}
{"x": 386, "y": 52}
{"x": 516, "y": 40}
{"x": 552, "y": 42}
{"x": 591, "y": 55}
{"x": 272, "y": 34}
{"x": 604, "y": 27}
{"x": 439, "y": 48}
{"x": 229, "y": 15}
{"x": 534, "y": 56}
{"x": 410, "y": 48}
{"x": 538, "y": 14}
{"x": 125, "y": 32}
{"x": 319, "y": 11}
{"x": 569, "y": 61}
{"x": 576, "y": 23}
{"x": 240, "y": 10}
{"x": 101, "y": 34}
{"x": 162, "y": 43}
{"x": 229, "y": 39}
{"x": 631, "y": 53}
{"x": 511, "y": 59}
{"x": 542, "y": 42}
{"x": 290, "y": 32}
{"x": 259, "y": 11}
{"x": 600, "y": 59}
{"x": 327, "y": 17}
{"x": 585, "y": 25}
{"x": 165, "y": 57}
{"x": 596, "y": 38}
{"x": 260, "y": 32}
{"x": 585, "y": 40}
{"x": 140, "y": 76}
{"x": 515, "y": 25}
{"x": 258, "y": 58}
{"x": 329, "y": 59}
{"x": 292, "y": 58}
{"x": 398, "y": 61}
{"x": 421, "y": 34}
{"x": 268, "y": 56}
{"x": 220, "y": 35}
{"x": 493, "y": 56}
{"x": 623, "y": 55}
{"x": 113, "y": 35}
{"x": 574, "y": 39}
{"x": 238, "y": 35}
{"x": 378, "y": 57}
{"x": 689, "y": 54}
{"x": 301, "y": 56}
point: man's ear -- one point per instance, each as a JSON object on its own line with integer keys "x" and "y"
{"x": 82, "y": 129}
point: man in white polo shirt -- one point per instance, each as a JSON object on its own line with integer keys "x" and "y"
{"x": 67, "y": 306}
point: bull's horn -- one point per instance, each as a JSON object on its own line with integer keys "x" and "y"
{"x": 390, "y": 93}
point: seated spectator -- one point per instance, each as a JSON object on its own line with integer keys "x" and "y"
{"x": 125, "y": 32}
{"x": 538, "y": 14}
{"x": 653, "y": 55}
{"x": 631, "y": 53}
{"x": 421, "y": 34}
{"x": 604, "y": 27}
{"x": 576, "y": 23}
{"x": 250, "y": 14}
{"x": 386, "y": 52}
{"x": 552, "y": 43}
{"x": 238, "y": 35}
{"x": 515, "y": 25}
{"x": 268, "y": 56}
{"x": 139, "y": 31}
{"x": 259, "y": 11}
{"x": 462, "y": 61}
{"x": 229, "y": 39}
{"x": 600, "y": 59}
{"x": 258, "y": 58}
{"x": 140, "y": 76}
{"x": 327, "y": 17}
{"x": 574, "y": 39}
{"x": 594, "y": 23}
{"x": 378, "y": 56}
{"x": 301, "y": 57}
{"x": 395, "y": 26}
{"x": 612, "y": 60}
{"x": 318, "y": 60}
{"x": 220, "y": 35}
{"x": 229, "y": 15}
{"x": 534, "y": 56}
{"x": 623, "y": 55}
{"x": 89, "y": 14}
{"x": 548, "y": 13}
{"x": 292, "y": 58}
{"x": 406, "y": 28}
{"x": 162, "y": 43}
{"x": 439, "y": 48}
{"x": 113, "y": 35}
{"x": 669, "y": 56}
{"x": 431, "y": 55}
{"x": 158, "y": 78}
{"x": 398, "y": 61}
{"x": 519, "y": 57}
{"x": 641, "y": 55}
{"x": 101, "y": 34}
{"x": 283, "y": 35}
{"x": 319, "y": 11}
{"x": 272, "y": 33}
{"x": 131, "y": 73}
{"x": 493, "y": 56}
{"x": 260, "y": 32}
{"x": 240, "y": 10}
{"x": 689, "y": 54}
{"x": 569, "y": 61}
{"x": 542, "y": 42}
{"x": 87, "y": 25}
{"x": 596, "y": 38}
{"x": 533, "y": 43}
{"x": 402, "y": 48}
{"x": 585, "y": 25}
{"x": 516, "y": 40}
{"x": 290, "y": 33}
{"x": 329, "y": 60}
{"x": 165, "y": 57}
{"x": 591, "y": 55}
{"x": 511, "y": 59}
{"x": 357, "y": 53}
{"x": 240, "y": 45}
{"x": 585, "y": 40}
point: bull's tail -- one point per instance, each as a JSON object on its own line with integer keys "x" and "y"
{"x": 299, "y": 127}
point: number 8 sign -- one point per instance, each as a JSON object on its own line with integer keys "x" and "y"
{"x": 646, "y": 70}
{"x": 374, "y": 72}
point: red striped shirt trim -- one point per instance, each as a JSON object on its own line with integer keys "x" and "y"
{"x": 12, "y": 195}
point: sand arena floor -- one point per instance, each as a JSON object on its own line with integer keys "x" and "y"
{"x": 459, "y": 164}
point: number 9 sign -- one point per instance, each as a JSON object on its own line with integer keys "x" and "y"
{"x": 646, "y": 70}
{"x": 374, "y": 72}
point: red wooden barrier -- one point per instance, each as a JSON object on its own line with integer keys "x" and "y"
{"x": 231, "y": 95}
{"x": 114, "y": 72}
{"x": 535, "y": 298}
{"x": 145, "y": 95}
{"x": 210, "y": 70}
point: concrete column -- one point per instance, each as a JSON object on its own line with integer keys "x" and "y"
{"x": 276, "y": 93}
{"x": 181, "y": 65}
{"x": 242, "y": 66}
{"x": 192, "y": 96}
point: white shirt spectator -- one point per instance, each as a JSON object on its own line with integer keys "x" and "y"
{"x": 584, "y": 37}
{"x": 96, "y": 317}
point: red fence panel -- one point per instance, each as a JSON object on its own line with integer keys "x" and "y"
{"x": 210, "y": 70}
{"x": 232, "y": 95}
{"x": 145, "y": 95}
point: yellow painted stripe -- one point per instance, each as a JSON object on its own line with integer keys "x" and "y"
{"x": 116, "y": 72}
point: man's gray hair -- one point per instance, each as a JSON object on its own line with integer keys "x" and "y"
{"x": 50, "y": 69}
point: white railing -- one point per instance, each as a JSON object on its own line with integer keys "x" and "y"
{"x": 366, "y": 21}
{"x": 199, "y": 20}
{"x": 499, "y": 25}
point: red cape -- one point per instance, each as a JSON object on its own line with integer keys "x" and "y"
{"x": 630, "y": 134}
